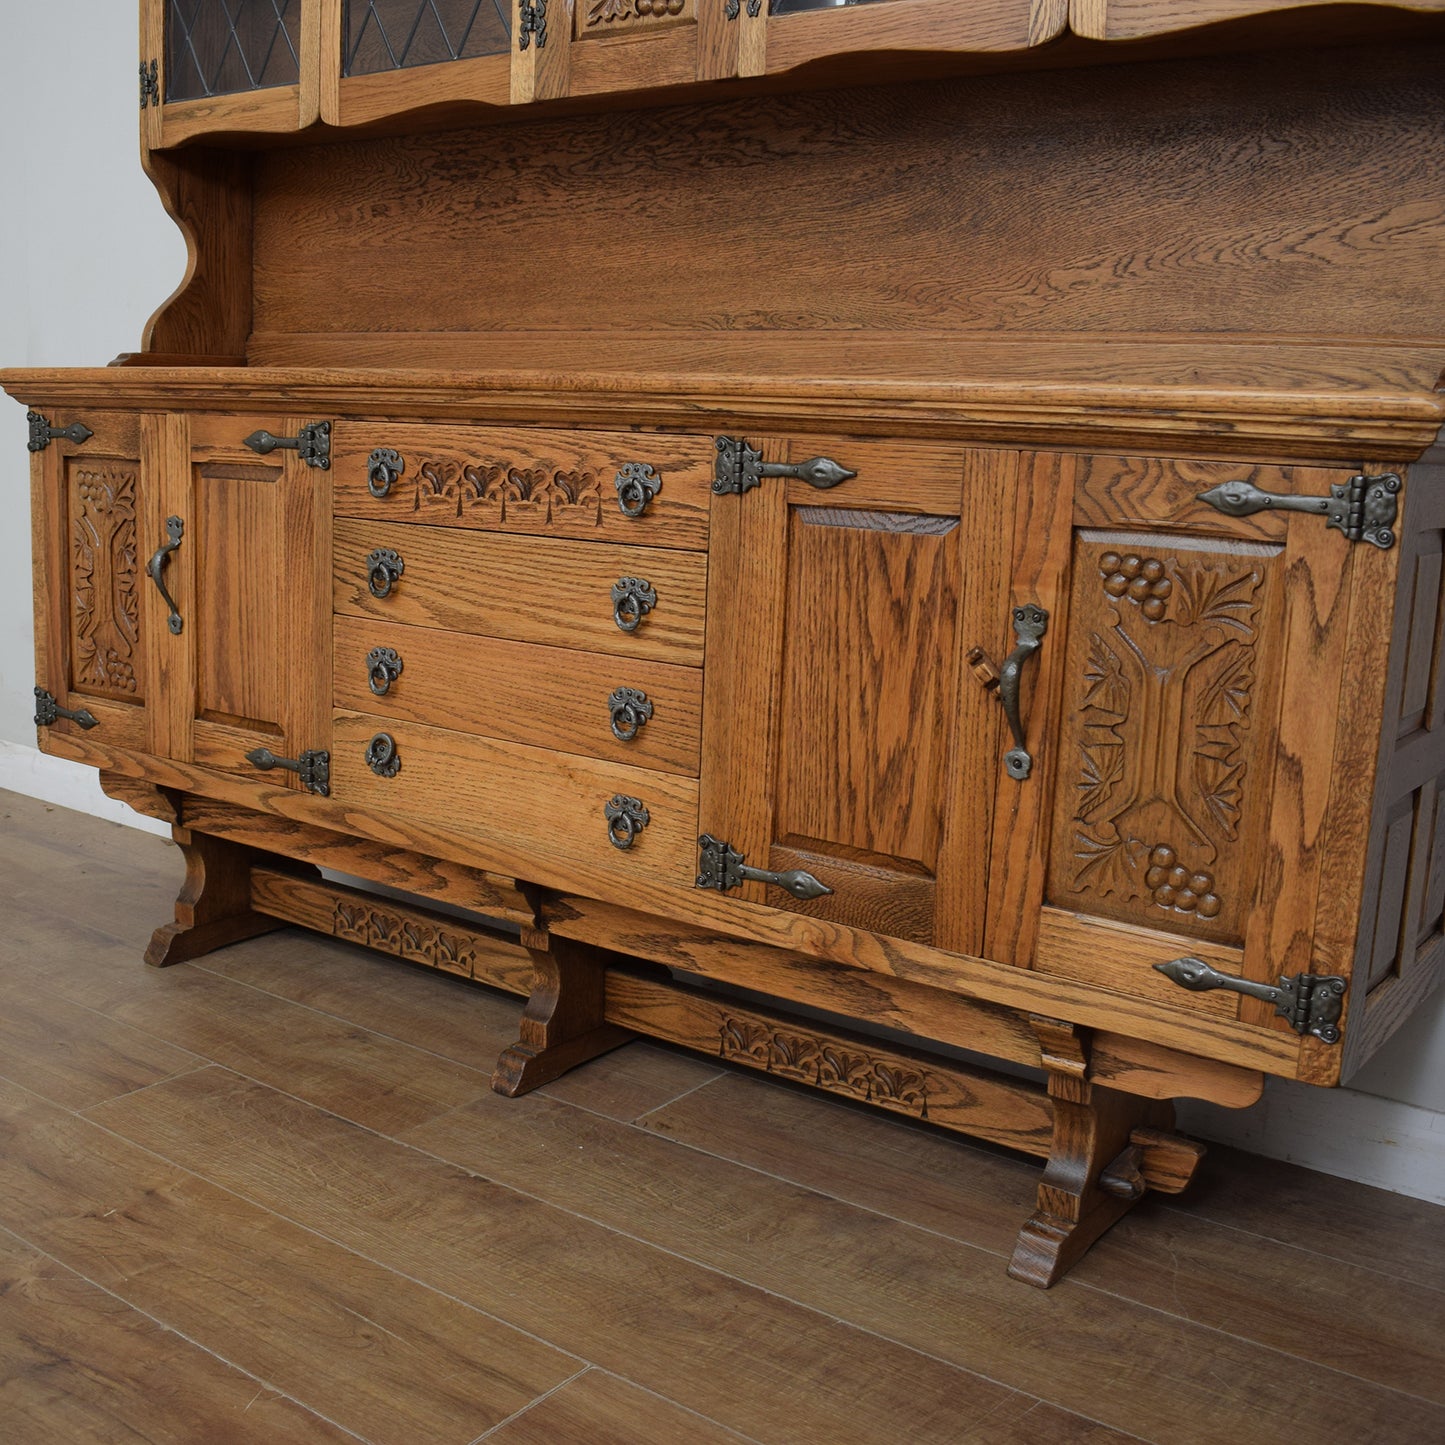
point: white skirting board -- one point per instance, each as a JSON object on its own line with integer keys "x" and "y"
{"x": 1384, "y": 1142}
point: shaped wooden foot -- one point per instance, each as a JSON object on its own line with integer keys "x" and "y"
{"x": 214, "y": 904}
{"x": 1108, "y": 1148}
{"x": 564, "y": 1023}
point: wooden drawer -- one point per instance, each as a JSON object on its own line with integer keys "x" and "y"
{"x": 527, "y": 480}
{"x": 549, "y": 697}
{"x": 527, "y": 589}
{"x": 544, "y": 810}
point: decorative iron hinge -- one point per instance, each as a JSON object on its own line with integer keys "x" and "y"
{"x": 48, "y": 712}
{"x": 1363, "y": 508}
{"x": 740, "y": 468}
{"x": 150, "y": 84}
{"x": 731, "y": 9}
{"x": 1312, "y": 1002}
{"x": 42, "y": 433}
{"x": 313, "y": 768}
{"x": 532, "y": 20}
{"x": 721, "y": 866}
{"x": 312, "y": 444}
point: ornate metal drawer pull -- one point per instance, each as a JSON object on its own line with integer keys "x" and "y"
{"x": 632, "y": 599}
{"x": 637, "y": 484}
{"x": 42, "y": 433}
{"x": 1030, "y": 624}
{"x": 382, "y": 757}
{"x": 312, "y": 444}
{"x": 155, "y": 569}
{"x": 626, "y": 818}
{"x": 1363, "y": 508}
{"x": 383, "y": 467}
{"x": 313, "y": 768}
{"x": 48, "y": 712}
{"x": 383, "y": 571}
{"x": 740, "y": 468}
{"x": 629, "y": 710}
{"x": 383, "y": 667}
{"x": 720, "y": 866}
{"x": 1312, "y": 1002}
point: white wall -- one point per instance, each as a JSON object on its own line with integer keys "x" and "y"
{"x": 87, "y": 253}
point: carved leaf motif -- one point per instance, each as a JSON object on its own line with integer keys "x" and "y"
{"x": 601, "y": 12}
{"x": 1219, "y": 785}
{"x": 349, "y": 921}
{"x": 438, "y": 485}
{"x": 1102, "y": 767}
{"x": 1209, "y": 594}
{"x": 1225, "y": 698}
{"x": 1110, "y": 865}
{"x": 845, "y": 1071}
{"x": 901, "y": 1086}
{"x": 103, "y": 579}
{"x": 737, "y": 1038}
{"x": 1106, "y": 688}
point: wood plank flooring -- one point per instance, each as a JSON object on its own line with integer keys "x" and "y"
{"x": 270, "y": 1197}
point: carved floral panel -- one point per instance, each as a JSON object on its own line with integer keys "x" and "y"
{"x": 504, "y": 496}
{"x": 612, "y": 17}
{"x": 1163, "y": 773}
{"x": 105, "y": 641}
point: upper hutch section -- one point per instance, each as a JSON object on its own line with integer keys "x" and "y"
{"x": 213, "y": 68}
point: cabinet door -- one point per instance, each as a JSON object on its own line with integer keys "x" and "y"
{"x": 95, "y": 614}
{"x": 249, "y": 668}
{"x": 211, "y": 66}
{"x": 839, "y": 738}
{"x": 1183, "y": 715}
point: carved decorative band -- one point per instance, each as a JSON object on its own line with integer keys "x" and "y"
{"x": 825, "y": 1064}
{"x": 408, "y": 938}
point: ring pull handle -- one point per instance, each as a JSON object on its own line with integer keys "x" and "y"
{"x": 626, "y": 818}
{"x": 637, "y": 484}
{"x": 1030, "y": 624}
{"x": 155, "y": 570}
{"x": 382, "y": 757}
{"x": 383, "y": 667}
{"x": 632, "y": 599}
{"x": 383, "y": 467}
{"x": 383, "y": 571}
{"x": 629, "y": 709}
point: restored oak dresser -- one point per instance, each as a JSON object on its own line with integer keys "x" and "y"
{"x": 923, "y": 514}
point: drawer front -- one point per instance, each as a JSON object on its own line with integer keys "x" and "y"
{"x": 525, "y": 589}
{"x": 634, "y": 488}
{"x": 645, "y": 714}
{"x": 548, "y": 807}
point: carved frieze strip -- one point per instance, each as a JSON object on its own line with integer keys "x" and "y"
{"x": 539, "y": 493}
{"x": 614, "y": 17}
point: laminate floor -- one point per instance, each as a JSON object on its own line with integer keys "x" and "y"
{"x": 270, "y": 1197}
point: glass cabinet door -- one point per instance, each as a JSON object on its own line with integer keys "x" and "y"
{"x": 212, "y": 66}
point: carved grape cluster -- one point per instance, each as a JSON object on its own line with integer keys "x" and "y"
{"x": 1140, "y": 579}
{"x": 659, "y": 7}
{"x": 1175, "y": 887}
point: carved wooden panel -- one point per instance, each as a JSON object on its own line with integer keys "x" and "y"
{"x": 615, "y": 17}
{"x": 105, "y": 575}
{"x": 1163, "y": 787}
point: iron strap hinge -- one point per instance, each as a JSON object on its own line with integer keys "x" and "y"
{"x": 734, "y": 7}
{"x": 150, "y": 84}
{"x": 42, "y": 433}
{"x": 1312, "y": 1002}
{"x": 312, "y": 767}
{"x": 532, "y": 21}
{"x": 312, "y": 444}
{"x": 1363, "y": 508}
{"x": 740, "y": 468}
{"x": 721, "y": 866}
{"x": 48, "y": 712}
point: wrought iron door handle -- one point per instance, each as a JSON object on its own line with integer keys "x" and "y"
{"x": 383, "y": 571}
{"x": 313, "y": 768}
{"x": 1030, "y": 624}
{"x": 637, "y": 484}
{"x": 155, "y": 568}
{"x": 383, "y": 467}
{"x": 632, "y": 599}
{"x": 383, "y": 667}
{"x": 626, "y": 818}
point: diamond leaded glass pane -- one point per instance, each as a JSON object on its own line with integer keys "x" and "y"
{"x": 793, "y": 7}
{"x": 220, "y": 47}
{"x": 396, "y": 34}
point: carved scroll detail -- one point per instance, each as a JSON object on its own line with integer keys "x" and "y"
{"x": 409, "y": 938}
{"x": 824, "y": 1064}
{"x": 106, "y": 620}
